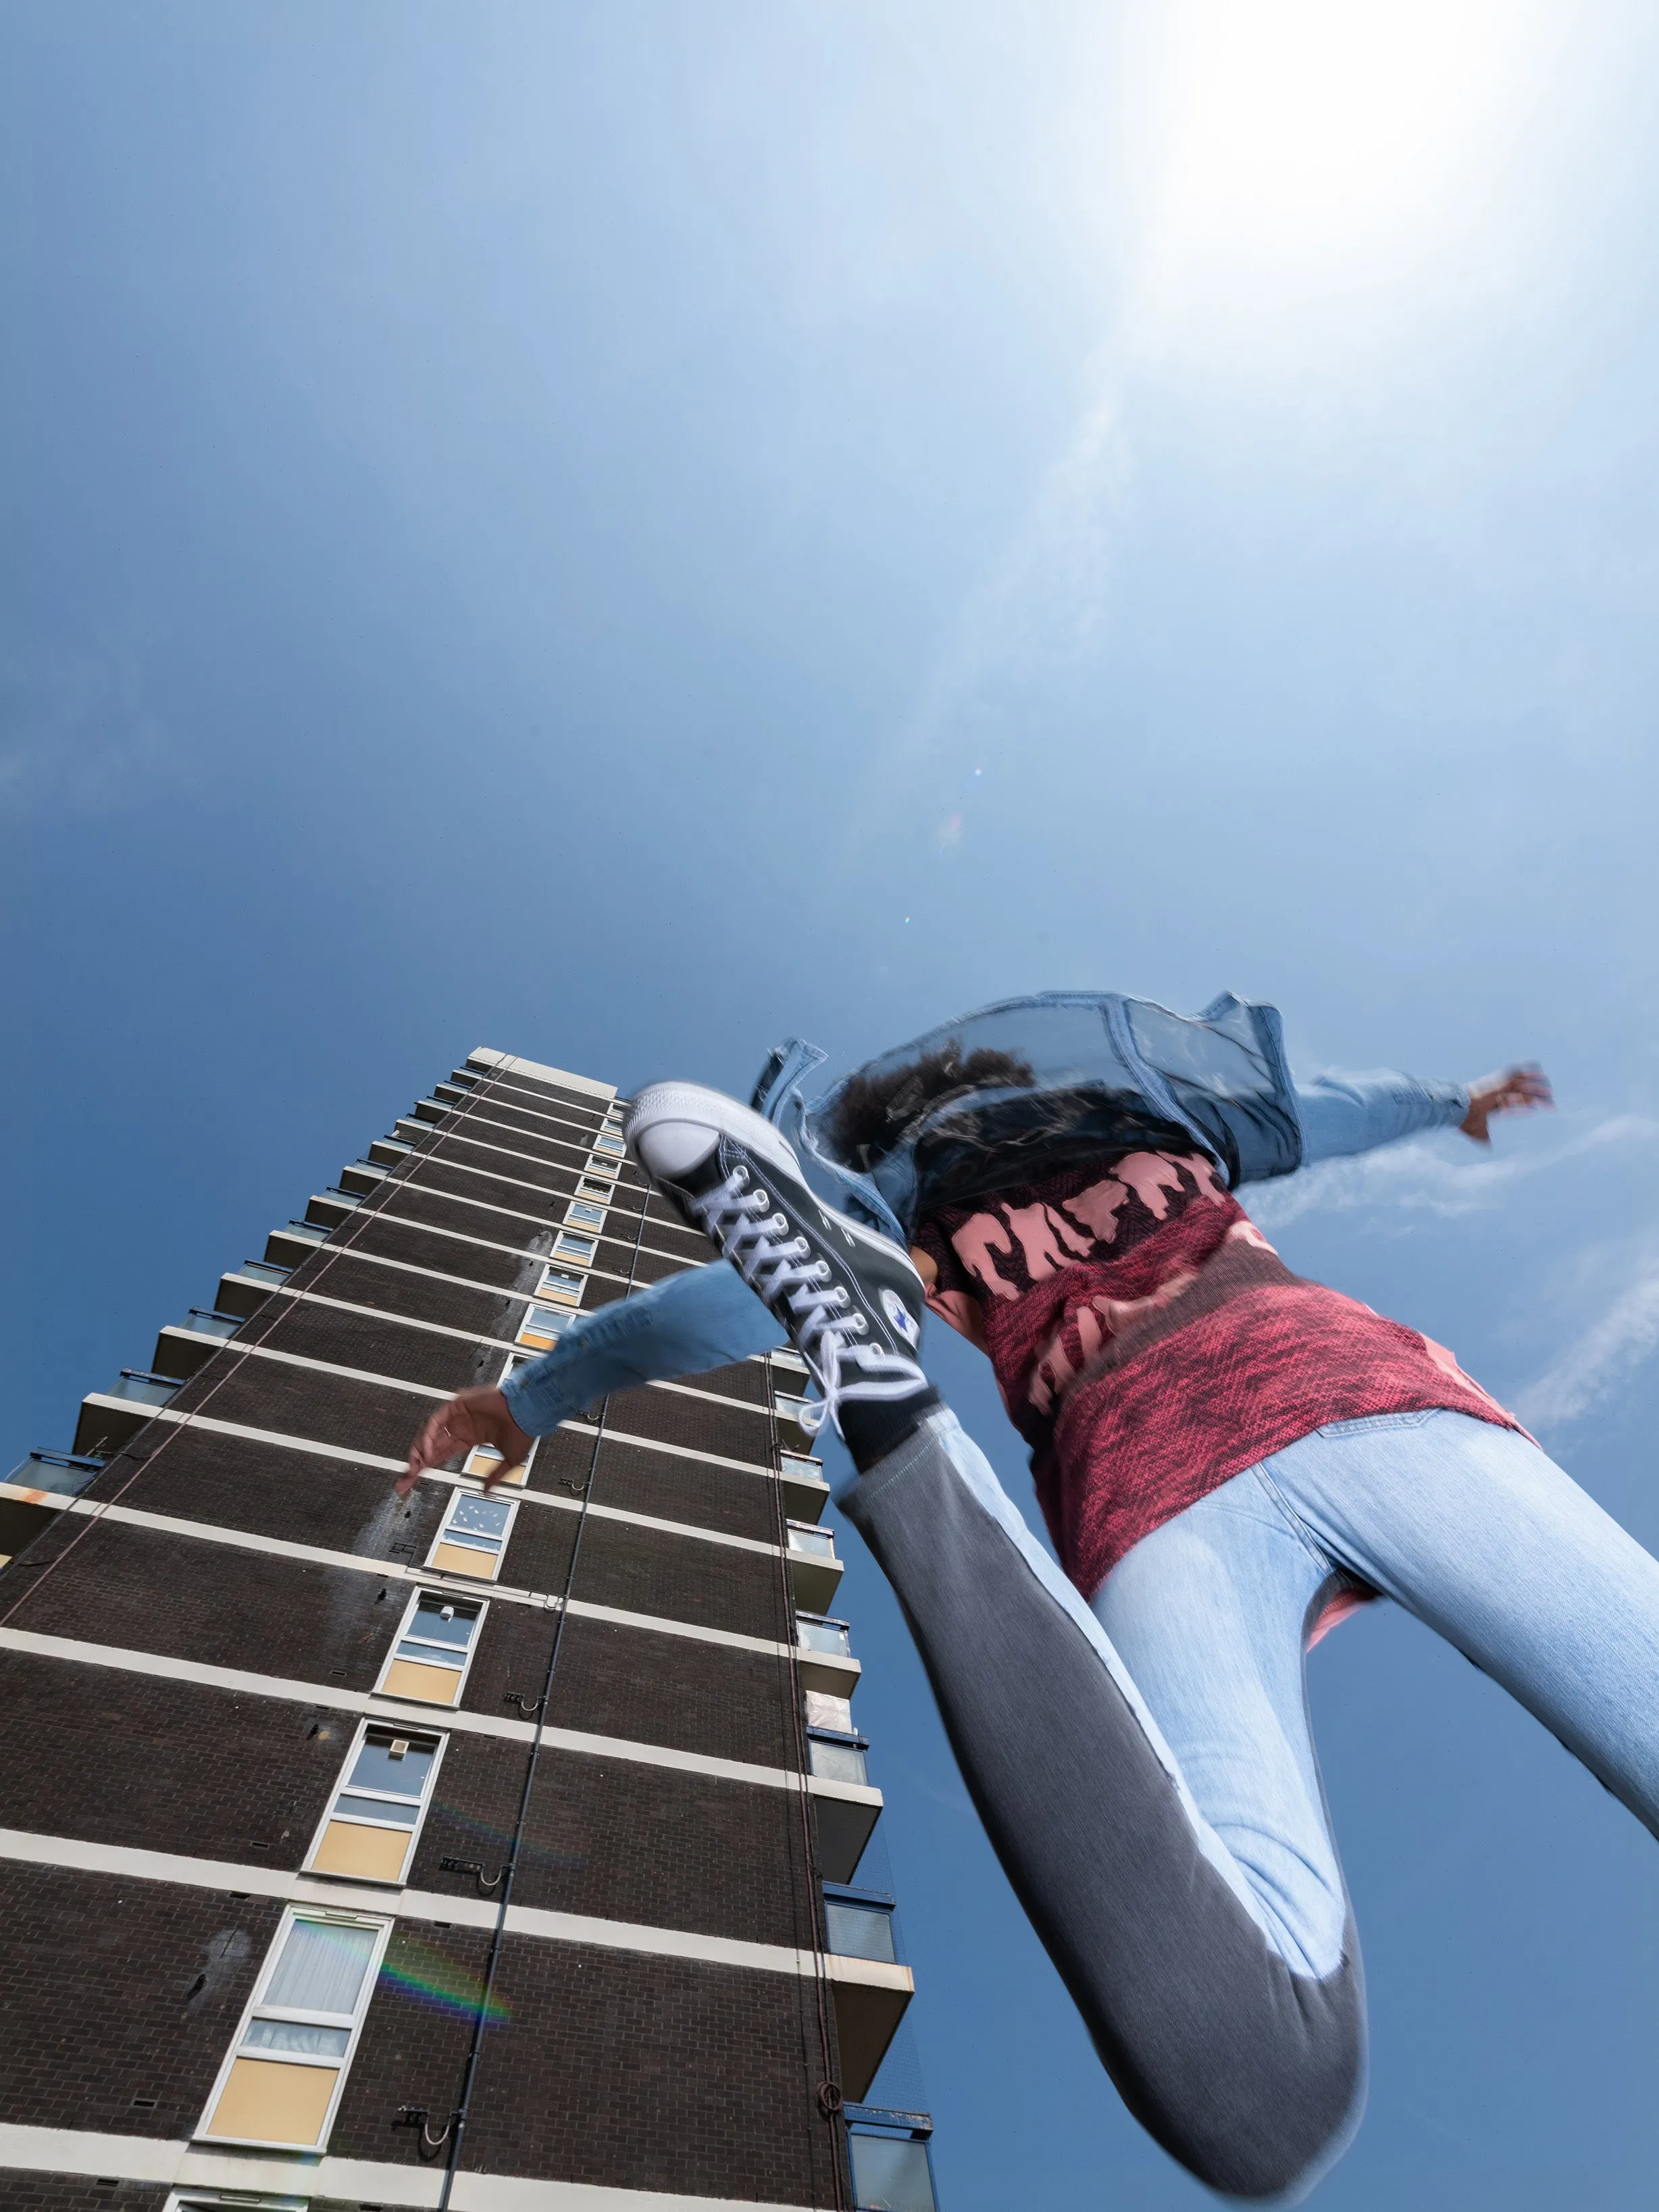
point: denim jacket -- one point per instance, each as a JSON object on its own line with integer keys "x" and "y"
{"x": 1108, "y": 1069}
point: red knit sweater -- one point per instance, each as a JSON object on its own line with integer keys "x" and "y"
{"x": 1149, "y": 1343}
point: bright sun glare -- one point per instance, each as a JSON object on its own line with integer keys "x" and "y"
{"x": 1298, "y": 137}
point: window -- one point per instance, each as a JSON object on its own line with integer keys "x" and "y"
{"x": 815, "y": 1634}
{"x": 608, "y": 1142}
{"x": 604, "y": 1171}
{"x": 473, "y": 1535}
{"x": 567, "y": 1245}
{"x": 542, "y": 1326}
{"x": 281, "y": 2080}
{"x": 859, "y": 1926}
{"x": 435, "y": 1646}
{"x": 582, "y": 1213}
{"x": 368, "y": 1832}
{"x": 589, "y": 1187}
{"x": 837, "y": 1758}
{"x": 482, "y": 1460}
{"x": 565, "y": 1289}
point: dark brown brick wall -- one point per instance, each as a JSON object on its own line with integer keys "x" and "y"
{"x": 645, "y": 1844}
{"x": 553, "y": 1174}
{"x": 470, "y": 1252}
{"x": 395, "y": 1348}
{"x": 653, "y": 1267}
{"x": 409, "y": 1199}
{"x": 231, "y": 1482}
{"x": 148, "y": 1591}
{"x": 677, "y": 1416}
{"x": 710, "y": 1585}
{"x": 360, "y": 1282}
{"x": 298, "y": 1401}
{"x": 649, "y": 1688}
{"x": 100, "y": 2001}
{"x": 119, "y": 1757}
{"x": 640, "y": 1480}
{"x": 74, "y": 2192}
{"x": 618, "y": 2069}
{"x": 439, "y": 1177}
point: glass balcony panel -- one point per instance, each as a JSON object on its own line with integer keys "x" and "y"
{"x": 836, "y": 1762}
{"x": 823, "y": 1636}
{"x": 143, "y": 1388}
{"x": 819, "y": 1542}
{"x": 890, "y": 2175}
{"x": 859, "y": 1931}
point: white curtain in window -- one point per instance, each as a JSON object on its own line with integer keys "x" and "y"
{"x": 322, "y": 1967}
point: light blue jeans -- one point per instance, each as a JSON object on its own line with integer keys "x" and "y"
{"x": 1470, "y": 1528}
{"x": 1146, "y": 1770}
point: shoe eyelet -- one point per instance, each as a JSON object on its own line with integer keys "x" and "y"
{"x": 761, "y": 1199}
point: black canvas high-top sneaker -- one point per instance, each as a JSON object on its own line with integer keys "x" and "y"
{"x": 849, "y": 1299}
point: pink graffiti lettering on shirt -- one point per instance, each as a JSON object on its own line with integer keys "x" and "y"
{"x": 974, "y": 1242}
{"x": 1038, "y": 1228}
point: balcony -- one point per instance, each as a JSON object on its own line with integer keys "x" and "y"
{"x": 805, "y": 1492}
{"x": 871, "y": 1988}
{"x": 815, "y": 1573}
{"x": 388, "y": 1151}
{"x": 431, "y": 1110}
{"x": 183, "y": 1347}
{"x": 328, "y": 1209}
{"x": 825, "y": 1648}
{"x": 892, "y": 2170}
{"x": 245, "y": 1289}
{"x": 286, "y": 1247}
{"x": 364, "y": 1177}
{"x": 110, "y": 1419}
{"x": 845, "y": 1806}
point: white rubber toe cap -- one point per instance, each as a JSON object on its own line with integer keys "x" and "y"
{"x": 672, "y": 1128}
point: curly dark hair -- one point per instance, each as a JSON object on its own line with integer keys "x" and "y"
{"x": 876, "y": 1108}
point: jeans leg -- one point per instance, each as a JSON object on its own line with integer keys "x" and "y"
{"x": 1476, "y": 1531}
{"x": 1247, "y": 2070}
{"x": 1211, "y": 1613}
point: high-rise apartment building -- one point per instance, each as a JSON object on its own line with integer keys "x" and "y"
{"x": 499, "y": 1851}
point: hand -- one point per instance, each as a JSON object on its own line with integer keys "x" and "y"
{"x": 473, "y": 1417}
{"x": 1516, "y": 1090}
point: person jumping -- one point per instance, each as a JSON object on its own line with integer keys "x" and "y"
{"x": 1228, "y": 1458}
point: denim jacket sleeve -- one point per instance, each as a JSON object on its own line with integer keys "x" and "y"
{"x": 705, "y": 1317}
{"x": 1341, "y": 1114}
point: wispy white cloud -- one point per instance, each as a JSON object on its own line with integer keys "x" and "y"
{"x": 1626, "y": 1334}
{"x": 1424, "y": 1177}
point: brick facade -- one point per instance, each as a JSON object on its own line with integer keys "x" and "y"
{"x": 617, "y": 2064}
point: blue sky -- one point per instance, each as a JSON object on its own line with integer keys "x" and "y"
{"x": 620, "y": 533}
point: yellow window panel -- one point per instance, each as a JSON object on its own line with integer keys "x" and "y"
{"x": 430, "y": 1685}
{"x": 537, "y": 1339}
{"x": 464, "y": 1560}
{"x": 371, "y": 1853}
{"x": 483, "y": 1460}
{"x": 268, "y": 2101}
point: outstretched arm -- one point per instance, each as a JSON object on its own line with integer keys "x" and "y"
{"x": 705, "y": 1317}
{"x": 1342, "y": 1114}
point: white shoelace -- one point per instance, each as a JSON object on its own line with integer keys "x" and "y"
{"x": 779, "y": 1268}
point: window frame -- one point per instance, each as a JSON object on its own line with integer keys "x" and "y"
{"x": 616, "y": 1149}
{"x": 255, "y": 2008}
{"x": 519, "y": 1479}
{"x": 343, "y": 1788}
{"x": 572, "y": 1298}
{"x": 411, "y": 1612}
{"x": 578, "y": 1207}
{"x": 442, "y": 1536}
{"x": 541, "y": 1341}
{"x": 569, "y": 1236}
